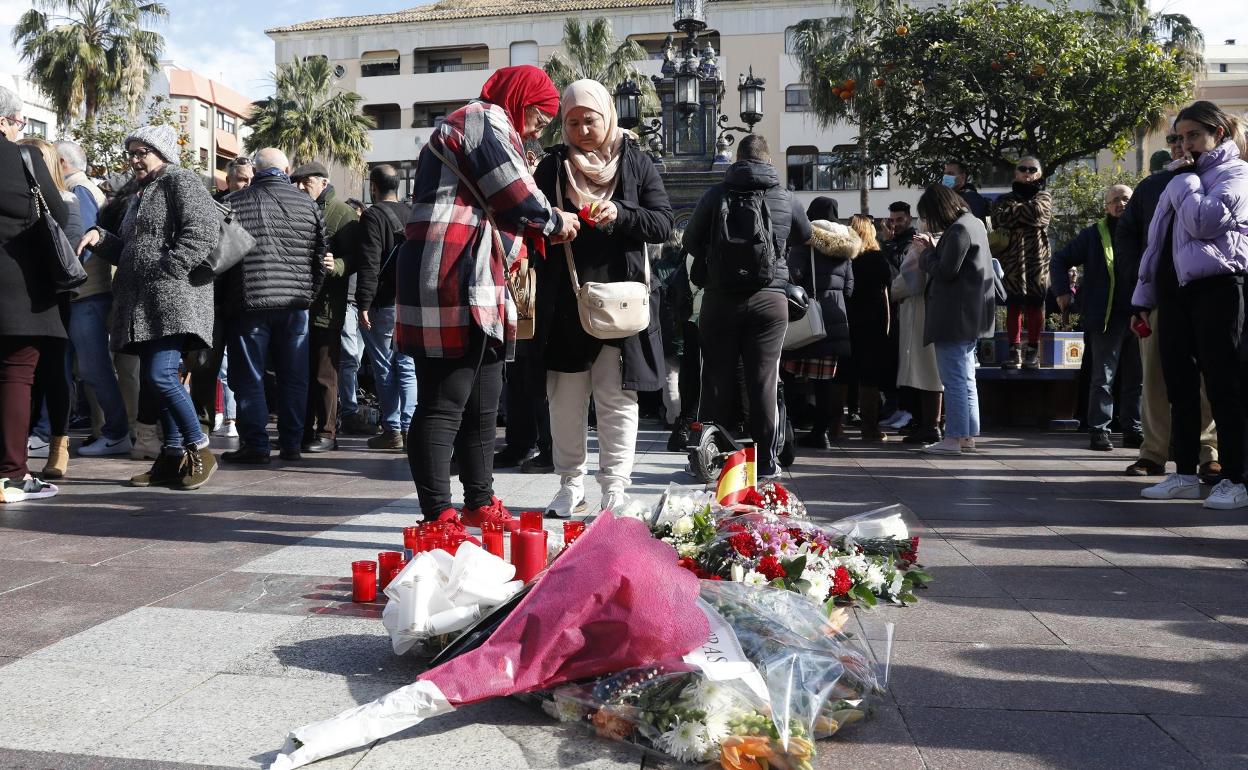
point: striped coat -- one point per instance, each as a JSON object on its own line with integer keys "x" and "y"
{"x": 450, "y": 277}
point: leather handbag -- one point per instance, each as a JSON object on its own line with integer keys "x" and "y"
{"x": 66, "y": 269}
{"x": 809, "y": 328}
{"x": 232, "y": 245}
{"x": 611, "y": 311}
{"x": 521, "y": 278}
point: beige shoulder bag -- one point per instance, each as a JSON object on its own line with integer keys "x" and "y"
{"x": 611, "y": 311}
{"x": 522, "y": 280}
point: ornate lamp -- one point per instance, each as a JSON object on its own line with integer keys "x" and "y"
{"x": 751, "y": 91}
{"x": 628, "y": 104}
{"x": 688, "y": 93}
{"x": 690, "y": 15}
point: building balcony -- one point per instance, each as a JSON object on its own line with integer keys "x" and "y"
{"x": 398, "y": 144}
{"x": 429, "y": 87}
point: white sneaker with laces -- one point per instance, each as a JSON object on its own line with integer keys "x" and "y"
{"x": 568, "y": 500}
{"x": 227, "y": 429}
{"x": 613, "y": 500}
{"x": 902, "y": 419}
{"x": 1227, "y": 496}
{"x": 946, "y": 446}
{"x": 1176, "y": 486}
{"x": 36, "y": 447}
{"x": 103, "y": 447}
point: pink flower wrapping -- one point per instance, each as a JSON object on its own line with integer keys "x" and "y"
{"x": 615, "y": 600}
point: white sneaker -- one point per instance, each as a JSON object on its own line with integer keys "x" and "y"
{"x": 614, "y": 501}
{"x": 1227, "y": 496}
{"x": 946, "y": 446}
{"x": 227, "y": 429}
{"x": 217, "y": 422}
{"x": 103, "y": 447}
{"x": 36, "y": 447}
{"x": 900, "y": 420}
{"x": 568, "y": 500}
{"x": 969, "y": 447}
{"x": 1176, "y": 486}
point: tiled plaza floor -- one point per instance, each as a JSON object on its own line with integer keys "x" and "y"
{"x": 1072, "y": 624}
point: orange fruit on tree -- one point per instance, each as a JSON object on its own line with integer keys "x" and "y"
{"x": 903, "y": 30}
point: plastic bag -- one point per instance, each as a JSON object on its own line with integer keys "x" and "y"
{"x": 773, "y": 677}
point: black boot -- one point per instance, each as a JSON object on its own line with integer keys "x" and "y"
{"x": 679, "y": 440}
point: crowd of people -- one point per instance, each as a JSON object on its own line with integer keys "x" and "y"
{"x": 551, "y": 283}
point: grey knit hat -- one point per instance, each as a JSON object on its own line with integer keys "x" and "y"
{"x": 163, "y": 139}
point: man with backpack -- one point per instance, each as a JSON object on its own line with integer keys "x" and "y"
{"x": 394, "y": 374}
{"x": 738, "y": 237}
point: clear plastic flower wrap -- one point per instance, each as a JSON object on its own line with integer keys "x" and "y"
{"x": 774, "y": 676}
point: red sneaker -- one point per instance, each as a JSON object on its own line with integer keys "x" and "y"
{"x": 494, "y": 513}
{"x": 453, "y": 525}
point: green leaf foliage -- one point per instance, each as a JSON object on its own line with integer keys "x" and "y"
{"x": 101, "y": 138}
{"x": 309, "y": 119}
{"x": 591, "y": 51}
{"x": 986, "y": 82}
{"x": 1079, "y": 199}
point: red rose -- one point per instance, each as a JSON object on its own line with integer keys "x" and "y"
{"x": 689, "y": 564}
{"x": 841, "y": 582}
{"x": 911, "y": 554}
{"x": 771, "y": 568}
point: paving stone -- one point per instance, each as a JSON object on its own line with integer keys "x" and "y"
{"x": 172, "y": 639}
{"x": 12, "y": 759}
{"x": 264, "y": 592}
{"x": 75, "y": 549}
{"x": 1151, "y": 547}
{"x": 28, "y": 623}
{"x": 332, "y": 551}
{"x": 1190, "y": 681}
{"x": 240, "y": 721}
{"x": 326, "y": 647}
{"x": 994, "y": 740}
{"x": 15, "y": 574}
{"x": 1218, "y": 742}
{"x": 1091, "y": 583}
{"x": 1131, "y": 624}
{"x": 952, "y": 619}
{"x": 1009, "y": 677}
{"x": 115, "y": 585}
{"x": 77, "y": 705}
{"x": 1198, "y": 585}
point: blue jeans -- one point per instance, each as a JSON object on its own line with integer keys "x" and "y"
{"x": 88, "y": 337}
{"x": 349, "y": 363}
{"x": 229, "y": 406}
{"x": 160, "y": 362}
{"x": 393, "y": 373}
{"x": 956, "y": 363}
{"x": 1115, "y": 355}
{"x": 253, "y": 338}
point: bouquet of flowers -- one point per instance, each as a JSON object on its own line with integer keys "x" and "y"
{"x": 773, "y": 677}
{"x": 766, "y": 539}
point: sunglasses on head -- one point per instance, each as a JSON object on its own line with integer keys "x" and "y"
{"x": 1027, "y": 169}
{"x": 1172, "y": 138}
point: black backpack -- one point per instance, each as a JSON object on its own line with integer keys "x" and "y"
{"x": 743, "y": 251}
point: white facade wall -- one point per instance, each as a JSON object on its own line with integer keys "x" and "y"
{"x": 36, "y": 109}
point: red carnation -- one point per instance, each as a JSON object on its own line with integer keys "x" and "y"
{"x": 780, "y": 494}
{"x": 841, "y": 582}
{"x": 689, "y": 564}
{"x": 743, "y": 543}
{"x": 912, "y": 553}
{"x": 771, "y": 568}
{"x": 752, "y": 498}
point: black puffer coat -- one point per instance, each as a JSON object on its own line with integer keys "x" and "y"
{"x": 28, "y": 305}
{"x": 645, "y": 216}
{"x": 284, "y": 270}
{"x": 832, "y": 252}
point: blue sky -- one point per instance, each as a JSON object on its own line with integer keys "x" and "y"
{"x": 224, "y": 39}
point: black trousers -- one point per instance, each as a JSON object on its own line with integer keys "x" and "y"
{"x": 528, "y": 411}
{"x": 750, "y": 329}
{"x": 1201, "y": 325}
{"x": 324, "y": 353}
{"x": 456, "y": 409}
{"x": 690, "y": 372}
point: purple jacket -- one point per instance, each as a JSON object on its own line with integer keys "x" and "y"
{"x": 1211, "y": 229}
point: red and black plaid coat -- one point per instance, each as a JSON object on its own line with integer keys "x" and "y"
{"x": 450, "y": 277}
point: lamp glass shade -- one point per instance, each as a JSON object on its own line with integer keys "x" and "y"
{"x": 627, "y": 105}
{"x": 687, "y": 92}
{"x": 751, "y": 103}
{"x": 690, "y": 11}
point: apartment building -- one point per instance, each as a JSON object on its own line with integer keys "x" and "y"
{"x": 36, "y": 108}
{"x": 210, "y": 113}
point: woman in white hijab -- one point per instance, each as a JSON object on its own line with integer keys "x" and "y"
{"x": 601, "y": 172}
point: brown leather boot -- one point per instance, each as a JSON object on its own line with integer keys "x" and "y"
{"x": 58, "y": 458}
{"x": 869, "y": 408}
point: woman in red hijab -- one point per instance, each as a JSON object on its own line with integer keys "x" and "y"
{"x": 473, "y": 204}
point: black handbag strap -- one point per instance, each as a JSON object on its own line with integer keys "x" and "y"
{"x": 36, "y": 191}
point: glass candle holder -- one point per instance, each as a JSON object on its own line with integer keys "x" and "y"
{"x": 531, "y": 520}
{"x": 528, "y": 553}
{"x": 571, "y": 531}
{"x": 492, "y": 538}
{"x": 363, "y": 581}
{"x": 389, "y": 573}
{"x": 411, "y": 542}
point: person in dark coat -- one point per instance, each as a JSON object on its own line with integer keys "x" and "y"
{"x": 1105, "y": 305}
{"x": 599, "y": 165}
{"x": 961, "y": 308}
{"x": 873, "y": 362}
{"x": 30, "y": 312}
{"x": 958, "y": 179}
{"x": 160, "y": 311}
{"x": 830, "y": 254}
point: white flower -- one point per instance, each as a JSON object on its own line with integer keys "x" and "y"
{"x": 819, "y": 585}
{"x": 753, "y": 578}
{"x": 737, "y": 572}
{"x": 563, "y": 709}
{"x": 717, "y": 728}
{"x": 686, "y": 741}
{"x": 687, "y": 549}
{"x": 899, "y": 580}
{"x": 683, "y": 525}
{"x": 874, "y": 579}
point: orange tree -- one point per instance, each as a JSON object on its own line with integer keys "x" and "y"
{"x": 984, "y": 82}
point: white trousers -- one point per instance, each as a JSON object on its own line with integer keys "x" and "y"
{"x": 616, "y": 408}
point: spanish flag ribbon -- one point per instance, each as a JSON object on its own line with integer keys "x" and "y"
{"x": 740, "y": 474}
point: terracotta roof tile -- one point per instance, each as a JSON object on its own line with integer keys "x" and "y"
{"x": 466, "y": 9}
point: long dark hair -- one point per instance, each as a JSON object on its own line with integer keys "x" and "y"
{"x": 940, "y": 207}
{"x": 1212, "y": 117}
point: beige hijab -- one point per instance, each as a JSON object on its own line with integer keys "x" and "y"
{"x": 592, "y": 175}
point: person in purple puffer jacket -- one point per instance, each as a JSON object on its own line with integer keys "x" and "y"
{"x": 1193, "y": 274}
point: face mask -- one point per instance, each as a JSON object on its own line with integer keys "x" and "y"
{"x": 949, "y": 180}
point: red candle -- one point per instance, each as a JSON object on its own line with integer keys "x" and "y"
{"x": 492, "y": 538}
{"x": 571, "y": 531}
{"x": 531, "y": 520}
{"x": 363, "y": 581}
{"x": 411, "y": 541}
{"x": 389, "y": 573}
{"x": 528, "y": 553}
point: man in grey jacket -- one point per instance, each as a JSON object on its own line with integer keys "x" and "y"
{"x": 267, "y": 298}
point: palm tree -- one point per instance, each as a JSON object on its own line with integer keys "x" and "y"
{"x": 593, "y": 52}
{"x": 1174, "y": 32}
{"x": 87, "y": 54}
{"x": 309, "y": 119}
